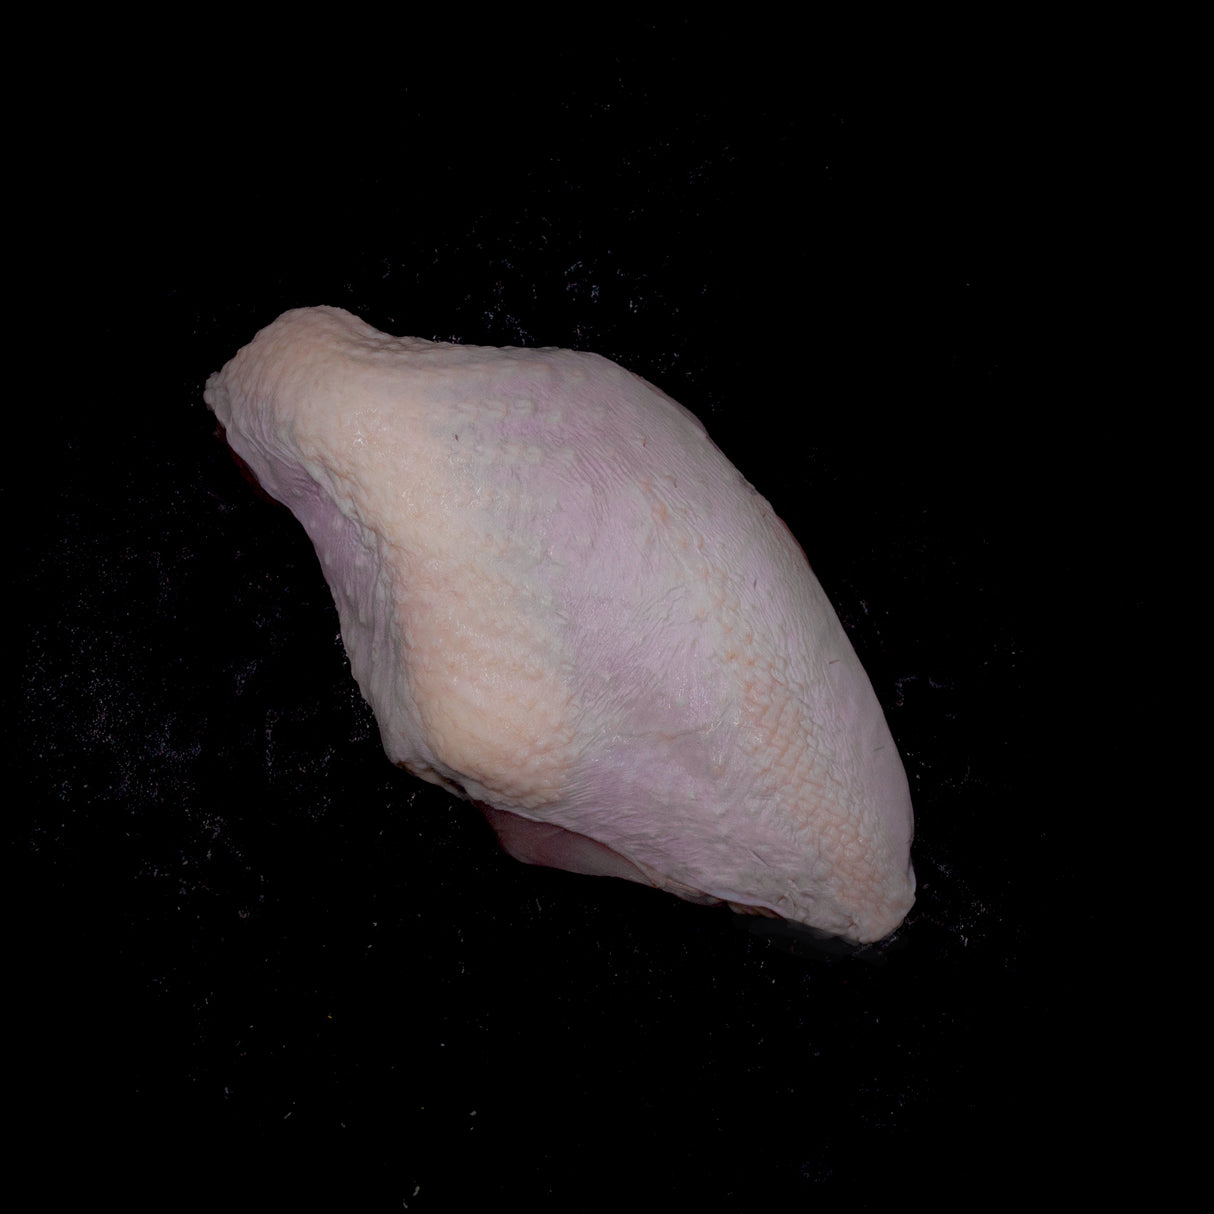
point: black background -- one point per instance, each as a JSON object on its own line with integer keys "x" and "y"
{"x": 259, "y": 965}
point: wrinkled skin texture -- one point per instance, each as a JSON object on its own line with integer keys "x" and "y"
{"x": 563, "y": 602}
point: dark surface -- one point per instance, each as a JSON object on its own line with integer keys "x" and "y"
{"x": 257, "y": 963}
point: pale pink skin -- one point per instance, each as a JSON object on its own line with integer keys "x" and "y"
{"x": 564, "y": 602}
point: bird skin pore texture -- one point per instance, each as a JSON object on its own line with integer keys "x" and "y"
{"x": 563, "y": 602}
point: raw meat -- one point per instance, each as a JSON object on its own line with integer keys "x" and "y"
{"x": 563, "y": 602}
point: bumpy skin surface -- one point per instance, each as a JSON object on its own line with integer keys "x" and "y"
{"x": 564, "y": 602}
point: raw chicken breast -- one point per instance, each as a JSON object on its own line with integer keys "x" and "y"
{"x": 564, "y": 602}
